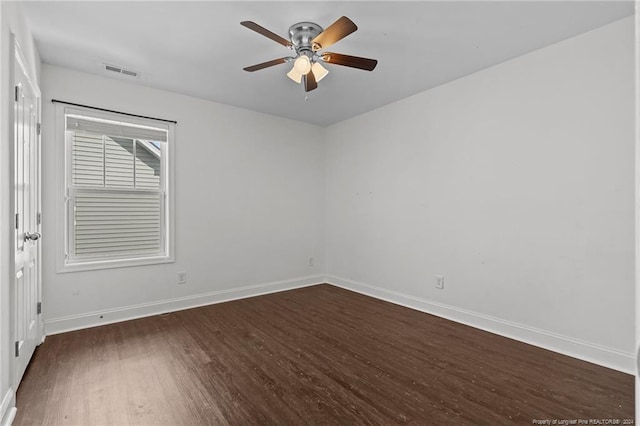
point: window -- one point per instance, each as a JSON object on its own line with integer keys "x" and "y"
{"x": 117, "y": 190}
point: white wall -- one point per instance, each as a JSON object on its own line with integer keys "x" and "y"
{"x": 516, "y": 183}
{"x": 11, "y": 22}
{"x": 249, "y": 207}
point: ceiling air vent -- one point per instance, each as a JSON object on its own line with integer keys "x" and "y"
{"x": 120, "y": 70}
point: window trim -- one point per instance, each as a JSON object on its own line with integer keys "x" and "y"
{"x": 63, "y": 177}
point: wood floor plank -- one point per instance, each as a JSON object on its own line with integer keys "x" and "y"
{"x": 317, "y": 355}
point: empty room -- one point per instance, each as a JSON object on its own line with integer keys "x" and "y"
{"x": 305, "y": 213}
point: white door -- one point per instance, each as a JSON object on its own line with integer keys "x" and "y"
{"x": 26, "y": 290}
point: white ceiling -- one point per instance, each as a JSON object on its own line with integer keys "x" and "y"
{"x": 200, "y": 48}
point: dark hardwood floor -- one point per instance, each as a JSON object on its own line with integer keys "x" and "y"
{"x": 317, "y": 355}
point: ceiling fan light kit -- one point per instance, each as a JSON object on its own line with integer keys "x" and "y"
{"x": 307, "y": 39}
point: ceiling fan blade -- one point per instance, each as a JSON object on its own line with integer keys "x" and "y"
{"x": 310, "y": 82}
{"x": 336, "y": 32}
{"x": 266, "y": 64}
{"x": 349, "y": 61}
{"x": 265, "y": 32}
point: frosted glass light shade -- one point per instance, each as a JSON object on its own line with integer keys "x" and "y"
{"x": 295, "y": 75}
{"x": 302, "y": 64}
{"x": 319, "y": 72}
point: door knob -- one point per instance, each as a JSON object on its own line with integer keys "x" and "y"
{"x": 32, "y": 236}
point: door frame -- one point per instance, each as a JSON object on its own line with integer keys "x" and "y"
{"x": 17, "y": 58}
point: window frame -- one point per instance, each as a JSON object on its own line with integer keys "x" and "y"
{"x": 64, "y": 219}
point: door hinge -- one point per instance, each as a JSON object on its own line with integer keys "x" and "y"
{"x": 17, "y": 93}
{"x": 38, "y": 126}
{"x": 39, "y": 218}
{"x": 17, "y": 349}
{"x": 39, "y": 308}
{"x": 17, "y": 220}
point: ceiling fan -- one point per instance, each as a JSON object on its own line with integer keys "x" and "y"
{"x": 307, "y": 39}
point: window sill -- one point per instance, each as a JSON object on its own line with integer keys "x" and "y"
{"x": 115, "y": 263}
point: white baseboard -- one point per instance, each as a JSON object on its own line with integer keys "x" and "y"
{"x": 7, "y": 409}
{"x": 109, "y": 316}
{"x": 587, "y": 351}
{"x": 9, "y": 417}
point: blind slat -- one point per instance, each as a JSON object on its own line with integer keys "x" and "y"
{"x": 117, "y": 252}
{"x": 116, "y": 242}
{"x": 105, "y": 233}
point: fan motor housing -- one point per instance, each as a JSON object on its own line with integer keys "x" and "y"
{"x": 302, "y": 33}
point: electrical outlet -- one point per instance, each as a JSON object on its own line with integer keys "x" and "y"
{"x": 310, "y": 261}
{"x": 182, "y": 277}
{"x": 440, "y": 282}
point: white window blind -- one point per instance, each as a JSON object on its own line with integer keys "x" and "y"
{"x": 110, "y": 223}
{"x": 116, "y": 185}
